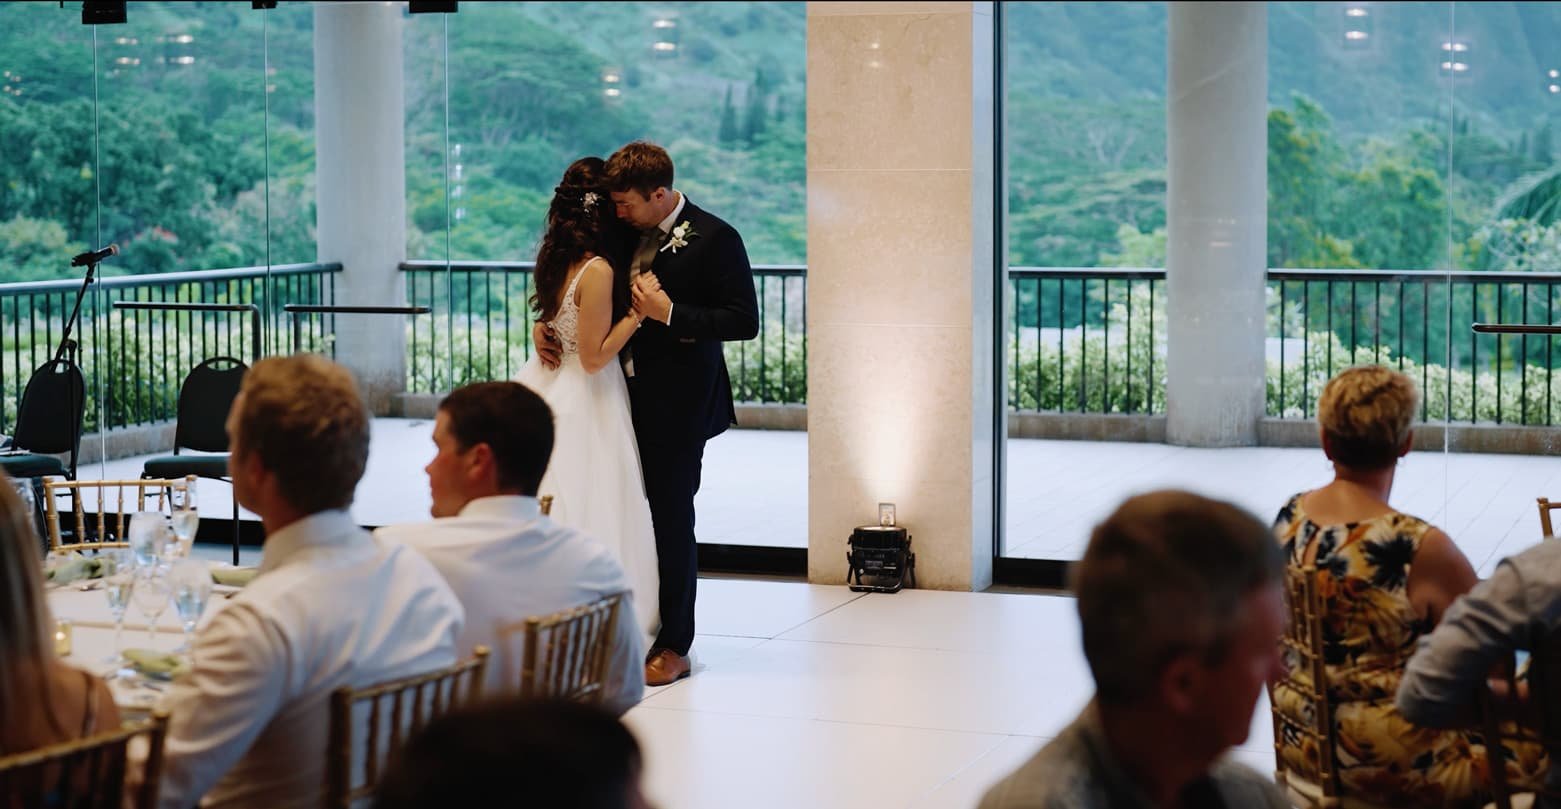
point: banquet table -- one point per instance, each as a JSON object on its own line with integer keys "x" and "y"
{"x": 85, "y": 607}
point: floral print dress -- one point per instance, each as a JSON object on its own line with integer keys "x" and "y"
{"x": 1370, "y": 631}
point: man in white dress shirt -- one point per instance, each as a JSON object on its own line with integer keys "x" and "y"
{"x": 504, "y": 559}
{"x": 332, "y": 605}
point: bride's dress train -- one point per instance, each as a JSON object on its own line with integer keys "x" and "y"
{"x": 594, "y": 475}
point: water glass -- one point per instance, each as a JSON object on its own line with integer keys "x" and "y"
{"x": 185, "y": 519}
{"x": 191, "y": 590}
{"x": 148, "y": 532}
{"x": 152, "y": 594}
{"x": 118, "y": 584}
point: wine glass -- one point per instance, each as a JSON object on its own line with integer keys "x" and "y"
{"x": 191, "y": 589}
{"x": 151, "y": 596}
{"x": 118, "y": 583}
{"x": 147, "y": 532}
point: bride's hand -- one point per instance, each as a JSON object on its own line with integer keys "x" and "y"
{"x": 546, "y": 345}
{"x": 647, "y": 283}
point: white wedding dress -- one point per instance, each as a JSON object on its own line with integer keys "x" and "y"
{"x": 594, "y": 474}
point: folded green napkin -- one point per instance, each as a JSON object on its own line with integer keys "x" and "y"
{"x": 159, "y": 665}
{"x": 234, "y": 576}
{"x": 74, "y": 568}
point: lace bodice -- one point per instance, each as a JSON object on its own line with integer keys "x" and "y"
{"x": 566, "y": 324}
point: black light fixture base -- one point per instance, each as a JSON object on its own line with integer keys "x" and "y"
{"x": 99, "y": 12}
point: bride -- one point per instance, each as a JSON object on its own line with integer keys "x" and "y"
{"x": 594, "y": 475}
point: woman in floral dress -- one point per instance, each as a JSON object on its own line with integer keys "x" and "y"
{"x": 1384, "y": 579}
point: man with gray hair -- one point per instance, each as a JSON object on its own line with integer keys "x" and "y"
{"x": 1181, "y": 606}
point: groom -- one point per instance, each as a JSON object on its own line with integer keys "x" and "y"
{"x": 693, "y": 283}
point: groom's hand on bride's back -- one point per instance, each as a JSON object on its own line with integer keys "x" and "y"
{"x": 546, "y": 345}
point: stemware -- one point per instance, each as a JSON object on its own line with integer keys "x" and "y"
{"x": 191, "y": 589}
{"x": 185, "y": 519}
{"x": 146, "y": 534}
{"x": 152, "y": 594}
{"x": 119, "y": 581}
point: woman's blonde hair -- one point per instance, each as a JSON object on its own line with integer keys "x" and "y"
{"x": 1365, "y": 413}
{"x": 26, "y": 628}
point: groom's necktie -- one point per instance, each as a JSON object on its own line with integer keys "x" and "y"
{"x": 645, "y": 253}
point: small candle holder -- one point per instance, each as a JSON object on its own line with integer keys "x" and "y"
{"x": 62, "y": 637}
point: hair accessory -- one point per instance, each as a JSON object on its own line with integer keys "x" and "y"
{"x": 589, "y": 201}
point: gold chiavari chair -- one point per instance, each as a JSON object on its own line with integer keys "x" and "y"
{"x": 411, "y": 703}
{"x": 566, "y": 654}
{"x": 1301, "y": 706}
{"x": 108, "y": 525}
{"x": 87, "y": 773}
{"x": 1545, "y": 507}
{"x": 546, "y": 502}
{"x": 1299, "y": 700}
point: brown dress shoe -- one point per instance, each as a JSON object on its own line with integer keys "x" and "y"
{"x": 665, "y": 667}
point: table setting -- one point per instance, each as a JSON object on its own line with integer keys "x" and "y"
{"x": 129, "y": 614}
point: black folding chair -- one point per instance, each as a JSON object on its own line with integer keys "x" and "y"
{"x": 204, "y": 401}
{"x": 48, "y": 423}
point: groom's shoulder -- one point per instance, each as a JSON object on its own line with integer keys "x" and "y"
{"x": 705, "y": 220}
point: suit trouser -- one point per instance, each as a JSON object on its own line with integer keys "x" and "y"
{"x": 671, "y": 481}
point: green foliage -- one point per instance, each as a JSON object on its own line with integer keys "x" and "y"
{"x": 770, "y": 369}
{"x": 1536, "y": 198}
{"x": 1511, "y": 395}
{"x": 1117, "y": 367}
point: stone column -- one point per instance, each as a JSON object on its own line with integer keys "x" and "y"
{"x": 360, "y": 172}
{"x": 1216, "y": 222}
{"x": 900, "y": 282}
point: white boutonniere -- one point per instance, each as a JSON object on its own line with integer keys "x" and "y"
{"x": 679, "y": 237}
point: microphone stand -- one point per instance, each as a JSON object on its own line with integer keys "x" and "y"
{"x": 67, "y": 351}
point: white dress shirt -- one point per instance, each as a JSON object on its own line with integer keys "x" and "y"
{"x": 666, "y": 227}
{"x": 507, "y": 562}
{"x": 332, "y": 606}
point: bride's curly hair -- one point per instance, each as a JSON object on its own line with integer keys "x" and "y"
{"x": 579, "y": 221}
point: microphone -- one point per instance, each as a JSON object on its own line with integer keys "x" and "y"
{"x": 94, "y": 256}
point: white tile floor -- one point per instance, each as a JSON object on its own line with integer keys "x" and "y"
{"x": 807, "y": 695}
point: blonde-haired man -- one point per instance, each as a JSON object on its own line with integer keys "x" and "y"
{"x": 332, "y": 606}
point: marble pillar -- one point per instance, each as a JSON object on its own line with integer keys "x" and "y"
{"x": 900, "y": 282}
{"x": 1216, "y": 222}
{"x": 361, "y": 175}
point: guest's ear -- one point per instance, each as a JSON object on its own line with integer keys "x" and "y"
{"x": 1409, "y": 444}
{"x": 1322, "y": 438}
{"x": 1179, "y": 682}
{"x": 480, "y": 466}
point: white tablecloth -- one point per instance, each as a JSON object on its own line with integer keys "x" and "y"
{"x": 92, "y": 639}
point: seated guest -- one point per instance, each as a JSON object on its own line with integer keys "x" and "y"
{"x": 42, "y": 700}
{"x": 1386, "y": 578}
{"x": 504, "y": 559}
{"x": 1518, "y": 607}
{"x": 1181, "y": 608}
{"x": 331, "y": 606}
{"x": 553, "y": 754}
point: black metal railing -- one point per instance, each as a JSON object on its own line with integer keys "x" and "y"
{"x": 1321, "y": 321}
{"x": 1086, "y": 340}
{"x": 1076, "y": 340}
{"x": 480, "y": 328}
{"x": 135, "y": 357}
